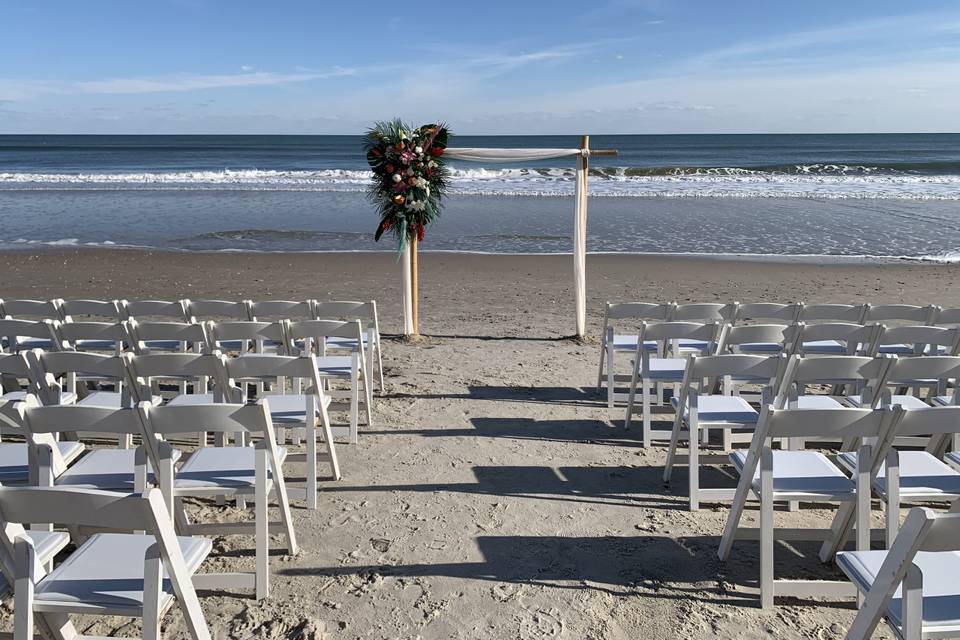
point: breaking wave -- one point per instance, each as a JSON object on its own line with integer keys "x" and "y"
{"x": 830, "y": 181}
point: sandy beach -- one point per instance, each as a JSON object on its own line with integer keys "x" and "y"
{"x": 492, "y": 498}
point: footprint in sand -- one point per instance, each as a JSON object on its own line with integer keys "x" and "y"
{"x": 541, "y": 624}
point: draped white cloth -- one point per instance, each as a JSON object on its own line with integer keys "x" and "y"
{"x": 580, "y": 210}
{"x": 508, "y": 155}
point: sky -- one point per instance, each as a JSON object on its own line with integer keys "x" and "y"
{"x": 492, "y": 67}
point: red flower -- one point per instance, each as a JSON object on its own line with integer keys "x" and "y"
{"x": 420, "y": 232}
{"x": 436, "y": 152}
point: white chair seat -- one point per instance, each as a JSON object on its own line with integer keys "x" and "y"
{"x": 106, "y": 469}
{"x": 626, "y": 342}
{"x": 108, "y": 399}
{"x": 25, "y": 344}
{"x": 335, "y": 342}
{"x": 47, "y": 544}
{"x": 163, "y": 345}
{"x": 922, "y": 476}
{"x": 818, "y": 401}
{"x": 14, "y": 459}
{"x": 191, "y": 399}
{"x": 942, "y": 400}
{"x": 667, "y": 369}
{"x": 721, "y": 409}
{"x": 98, "y": 345}
{"x": 907, "y": 402}
{"x": 106, "y": 573}
{"x": 824, "y": 346}
{"x": 335, "y": 366}
{"x": 896, "y": 349}
{"x": 291, "y": 408}
{"x": 800, "y": 473}
{"x": 211, "y": 467}
{"x": 941, "y": 598}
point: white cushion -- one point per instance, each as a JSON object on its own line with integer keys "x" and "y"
{"x": 67, "y": 397}
{"x": 14, "y": 459}
{"x": 291, "y": 408}
{"x": 941, "y": 595}
{"x": 824, "y": 346}
{"x": 942, "y": 400}
{"x": 108, "y": 399}
{"x": 191, "y": 399}
{"x": 759, "y": 347}
{"x": 667, "y": 368}
{"x": 107, "y": 572}
{"x": 817, "y": 401}
{"x": 231, "y": 467}
{"x": 800, "y": 472}
{"x": 626, "y": 342}
{"x": 721, "y": 409}
{"x": 336, "y": 366}
{"x": 106, "y": 469}
{"x": 48, "y": 544}
{"x": 921, "y": 475}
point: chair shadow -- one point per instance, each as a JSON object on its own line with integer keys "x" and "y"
{"x": 571, "y": 396}
{"x": 608, "y": 485}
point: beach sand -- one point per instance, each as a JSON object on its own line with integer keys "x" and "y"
{"x": 493, "y": 498}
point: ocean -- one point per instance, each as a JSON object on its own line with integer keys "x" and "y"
{"x": 834, "y": 196}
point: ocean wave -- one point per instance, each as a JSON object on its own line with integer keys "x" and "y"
{"x": 796, "y": 181}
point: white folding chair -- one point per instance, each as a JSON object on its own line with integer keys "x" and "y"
{"x": 366, "y": 313}
{"x": 168, "y": 310}
{"x": 240, "y": 471}
{"x": 918, "y": 340}
{"x": 914, "y": 584}
{"x": 811, "y": 314}
{"x": 788, "y": 476}
{"x": 31, "y": 309}
{"x": 18, "y": 335}
{"x": 293, "y": 409}
{"x": 699, "y": 312}
{"x": 759, "y": 338}
{"x": 110, "y": 574}
{"x": 203, "y": 310}
{"x": 18, "y": 463}
{"x": 698, "y": 409}
{"x": 850, "y": 374}
{"x": 310, "y": 336}
{"x": 90, "y": 310}
{"x": 836, "y": 338}
{"x": 650, "y": 372}
{"x": 891, "y": 315}
{"x": 87, "y": 335}
{"x": 16, "y": 377}
{"x": 614, "y": 342}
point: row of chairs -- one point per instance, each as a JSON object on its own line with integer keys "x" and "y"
{"x": 660, "y": 359}
{"x": 193, "y": 311}
{"x": 245, "y": 337}
{"x": 140, "y": 504}
{"x": 618, "y": 337}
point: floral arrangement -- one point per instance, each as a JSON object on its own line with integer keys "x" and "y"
{"x": 409, "y": 177}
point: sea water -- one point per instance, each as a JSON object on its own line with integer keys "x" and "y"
{"x": 882, "y": 195}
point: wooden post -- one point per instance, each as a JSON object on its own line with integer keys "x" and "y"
{"x": 414, "y": 287}
{"x": 580, "y": 239}
{"x": 405, "y": 261}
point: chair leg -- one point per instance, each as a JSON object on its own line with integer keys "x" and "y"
{"x": 766, "y": 530}
{"x": 262, "y": 527}
{"x": 24, "y": 585}
{"x": 152, "y": 592}
{"x": 379, "y": 363}
{"x": 354, "y": 408}
{"x": 672, "y": 451}
{"x": 693, "y": 471}
{"x": 311, "y": 460}
{"x": 611, "y": 373}
{"x": 645, "y": 391}
{"x": 328, "y": 438}
{"x": 603, "y": 353}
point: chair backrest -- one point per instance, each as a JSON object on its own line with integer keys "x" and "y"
{"x": 859, "y": 371}
{"x": 835, "y": 424}
{"x": 921, "y": 337}
{"x": 252, "y": 334}
{"x": 929, "y": 422}
{"x": 183, "y": 333}
{"x": 71, "y": 417}
{"x": 315, "y": 331}
{"x": 365, "y": 312}
{"x": 14, "y": 365}
{"x": 201, "y": 310}
{"x": 167, "y": 420}
{"x": 13, "y": 330}
{"x": 702, "y": 312}
{"x": 638, "y": 310}
{"x": 852, "y": 313}
{"x": 99, "y": 309}
{"x": 667, "y": 331}
{"x": 702, "y": 371}
{"x": 281, "y": 310}
{"x": 258, "y": 367}
{"x": 147, "y": 309}
{"x": 48, "y": 366}
{"x": 736, "y": 336}
{"x": 940, "y": 369}
{"x": 141, "y": 370}
{"x": 911, "y": 313}
{"x": 855, "y": 338}
{"x": 31, "y": 309}
{"x": 766, "y": 311}
{"x": 13, "y": 419}
{"x": 947, "y": 317}
{"x": 74, "y": 333}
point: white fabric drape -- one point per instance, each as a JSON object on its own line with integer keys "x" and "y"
{"x": 579, "y": 221}
{"x": 508, "y": 155}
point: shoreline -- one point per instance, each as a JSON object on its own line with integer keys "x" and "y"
{"x": 767, "y": 258}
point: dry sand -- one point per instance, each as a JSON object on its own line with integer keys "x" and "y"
{"x": 492, "y": 498}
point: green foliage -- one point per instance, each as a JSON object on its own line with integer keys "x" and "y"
{"x": 409, "y": 177}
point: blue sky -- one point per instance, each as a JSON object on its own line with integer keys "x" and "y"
{"x": 602, "y": 66}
